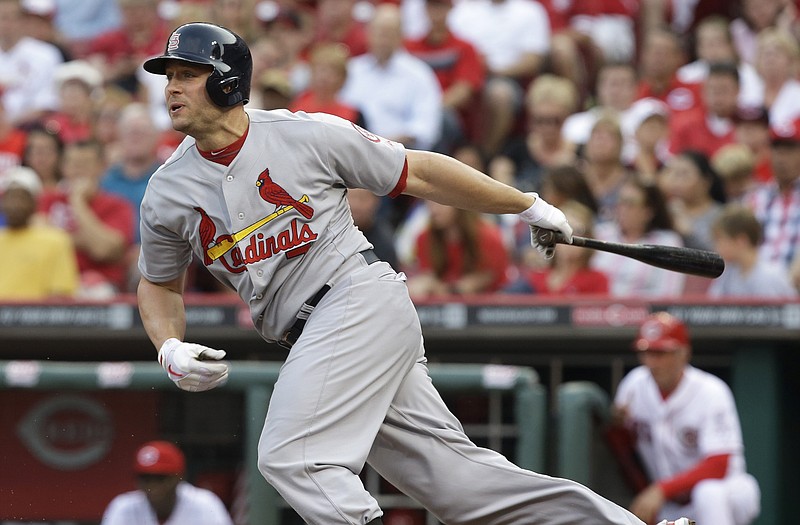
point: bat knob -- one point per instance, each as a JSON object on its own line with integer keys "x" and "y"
{"x": 544, "y": 237}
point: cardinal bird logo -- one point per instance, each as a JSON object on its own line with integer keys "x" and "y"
{"x": 207, "y": 233}
{"x": 273, "y": 193}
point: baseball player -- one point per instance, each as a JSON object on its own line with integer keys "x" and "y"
{"x": 260, "y": 197}
{"x": 686, "y": 432}
{"x": 162, "y": 497}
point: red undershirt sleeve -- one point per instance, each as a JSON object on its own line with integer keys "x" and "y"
{"x": 401, "y": 184}
{"x": 713, "y": 467}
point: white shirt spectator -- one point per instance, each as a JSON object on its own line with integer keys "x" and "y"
{"x": 578, "y": 126}
{"x": 786, "y": 106}
{"x": 401, "y": 99}
{"x": 502, "y": 31}
{"x": 630, "y": 278}
{"x": 194, "y": 506}
{"x": 27, "y": 83}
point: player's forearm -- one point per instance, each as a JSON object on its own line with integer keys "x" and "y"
{"x": 162, "y": 310}
{"x": 447, "y": 181}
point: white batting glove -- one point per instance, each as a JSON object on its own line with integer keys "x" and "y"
{"x": 544, "y": 215}
{"x": 188, "y": 366}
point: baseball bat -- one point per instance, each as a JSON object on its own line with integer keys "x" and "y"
{"x": 677, "y": 259}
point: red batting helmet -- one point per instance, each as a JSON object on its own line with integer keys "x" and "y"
{"x": 662, "y": 331}
{"x": 216, "y": 46}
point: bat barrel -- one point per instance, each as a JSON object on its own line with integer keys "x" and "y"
{"x": 674, "y": 258}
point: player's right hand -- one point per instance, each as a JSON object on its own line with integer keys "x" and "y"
{"x": 188, "y": 365}
{"x": 544, "y": 215}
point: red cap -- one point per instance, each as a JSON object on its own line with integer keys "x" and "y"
{"x": 159, "y": 457}
{"x": 662, "y": 331}
{"x": 785, "y": 133}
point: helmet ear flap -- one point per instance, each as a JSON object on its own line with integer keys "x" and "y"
{"x": 223, "y": 91}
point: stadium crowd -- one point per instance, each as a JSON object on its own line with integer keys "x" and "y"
{"x": 674, "y": 122}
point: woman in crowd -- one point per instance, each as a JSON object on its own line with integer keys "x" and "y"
{"x": 602, "y": 164}
{"x": 549, "y": 101}
{"x": 458, "y": 253}
{"x": 43, "y": 150}
{"x": 694, "y": 195}
{"x": 776, "y": 62}
{"x": 642, "y": 217}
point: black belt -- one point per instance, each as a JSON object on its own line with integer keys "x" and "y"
{"x": 293, "y": 334}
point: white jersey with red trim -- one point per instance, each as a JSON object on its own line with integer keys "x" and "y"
{"x": 193, "y": 506}
{"x": 275, "y": 224}
{"x": 697, "y": 420}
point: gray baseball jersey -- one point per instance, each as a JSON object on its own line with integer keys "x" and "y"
{"x": 275, "y": 224}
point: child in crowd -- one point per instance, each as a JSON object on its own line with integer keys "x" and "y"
{"x": 737, "y": 235}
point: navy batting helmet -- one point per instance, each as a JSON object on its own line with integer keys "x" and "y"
{"x": 204, "y": 43}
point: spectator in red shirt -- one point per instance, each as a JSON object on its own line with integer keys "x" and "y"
{"x": 709, "y": 127}
{"x": 328, "y": 67}
{"x": 101, "y": 224}
{"x": 460, "y": 71}
{"x": 659, "y": 61}
{"x": 458, "y": 253}
{"x": 335, "y": 22}
{"x": 589, "y": 33}
{"x": 79, "y": 87}
{"x": 713, "y": 43}
{"x": 120, "y": 52}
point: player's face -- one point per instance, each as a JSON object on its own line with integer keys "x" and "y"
{"x": 188, "y": 103}
{"x": 160, "y": 490}
{"x": 665, "y": 367}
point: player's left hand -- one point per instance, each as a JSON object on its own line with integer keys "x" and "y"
{"x": 188, "y": 365}
{"x": 544, "y": 215}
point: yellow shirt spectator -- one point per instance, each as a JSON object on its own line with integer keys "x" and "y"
{"x": 38, "y": 261}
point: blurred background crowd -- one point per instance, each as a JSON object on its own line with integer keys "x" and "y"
{"x": 674, "y": 122}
